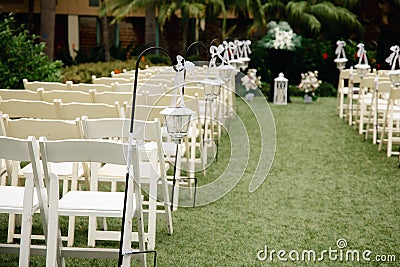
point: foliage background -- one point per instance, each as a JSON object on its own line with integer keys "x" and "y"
{"x": 21, "y": 56}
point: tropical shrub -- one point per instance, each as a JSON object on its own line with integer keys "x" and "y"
{"x": 22, "y": 56}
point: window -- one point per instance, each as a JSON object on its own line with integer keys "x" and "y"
{"x": 93, "y": 2}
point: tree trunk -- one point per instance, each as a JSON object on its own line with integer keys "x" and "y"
{"x": 47, "y": 25}
{"x": 150, "y": 25}
{"x": 106, "y": 35}
{"x": 30, "y": 15}
{"x": 106, "y": 38}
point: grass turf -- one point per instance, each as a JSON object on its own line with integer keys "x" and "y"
{"x": 326, "y": 183}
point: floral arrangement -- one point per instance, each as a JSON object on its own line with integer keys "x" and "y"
{"x": 251, "y": 82}
{"x": 281, "y": 36}
{"x": 309, "y": 83}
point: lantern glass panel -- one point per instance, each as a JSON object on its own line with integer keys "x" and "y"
{"x": 362, "y": 69}
{"x": 394, "y": 77}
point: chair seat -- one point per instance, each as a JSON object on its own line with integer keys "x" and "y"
{"x": 345, "y": 90}
{"x": 12, "y": 198}
{"x": 61, "y": 169}
{"x": 114, "y": 172}
{"x": 96, "y": 203}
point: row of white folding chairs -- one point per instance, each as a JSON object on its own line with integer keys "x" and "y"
{"x": 152, "y": 164}
{"x": 106, "y": 97}
{"x": 113, "y": 86}
{"x": 16, "y": 108}
{"x": 376, "y": 110}
{"x": 36, "y": 195}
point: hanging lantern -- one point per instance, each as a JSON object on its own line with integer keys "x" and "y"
{"x": 177, "y": 121}
{"x": 392, "y": 59}
{"x": 226, "y": 72}
{"x": 341, "y": 59}
{"x": 212, "y": 88}
{"x": 362, "y": 67}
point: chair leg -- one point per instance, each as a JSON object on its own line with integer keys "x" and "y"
{"x": 11, "y": 228}
{"x": 26, "y": 227}
{"x": 71, "y": 231}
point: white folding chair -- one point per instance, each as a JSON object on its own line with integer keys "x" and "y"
{"x": 152, "y": 166}
{"x": 70, "y": 173}
{"x": 390, "y": 134}
{"x": 24, "y": 200}
{"x": 93, "y": 203}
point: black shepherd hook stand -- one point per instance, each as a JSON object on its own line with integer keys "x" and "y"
{"x": 121, "y": 254}
{"x": 177, "y": 146}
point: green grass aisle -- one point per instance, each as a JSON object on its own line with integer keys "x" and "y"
{"x": 326, "y": 183}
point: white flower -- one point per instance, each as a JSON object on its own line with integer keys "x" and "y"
{"x": 251, "y": 81}
{"x": 309, "y": 82}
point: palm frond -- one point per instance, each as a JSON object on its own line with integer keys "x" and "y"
{"x": 296, "y": 9}
{"x": 165, "y": 12}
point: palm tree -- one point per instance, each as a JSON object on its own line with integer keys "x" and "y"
{"x": 313, "y": 17}
{"x": 47, "y": 25}
{"x": 251, "y": 11}
{"x": 121, "y": 8}
{"x": 106, "y": 39}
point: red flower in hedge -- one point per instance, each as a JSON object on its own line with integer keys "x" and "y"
{"x": 325, "y": 56}
{"x": 117, "y": 71}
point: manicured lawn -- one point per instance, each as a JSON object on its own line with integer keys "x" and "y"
{"x": 326, "y": 183}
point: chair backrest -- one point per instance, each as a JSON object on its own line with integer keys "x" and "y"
{"x": 164, "y": 99}
{"x": 65, "y": 96}
{"x": 51, "y": 129}
{"x": 147, "y": 113}
{"x": 7, "y": 94}
{"x": 93, "y": 151}
{"x": 384, "y": 88}
{"x": 345, "y": 75}
{"x": 28, "y": 109}
{"x": 119, "y": 128}
{"x": 158, "y": 81}
{"x": 109, "y": 80}
{"x": 122, "y": 87}
{"x": 87, "y": 87}
{"x": 71, "y": 111}
{"x": 110, "y": 97}
{"x": 46, "y": 85}
{"x": 367, "y": 83}
{"x": 141, "y": 88}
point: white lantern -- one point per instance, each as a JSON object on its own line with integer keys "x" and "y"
{"x": 362, "y": 67}
{"x": 280, "y": 90}
{"x": 177, "y": 121}
{"x": 392, "y": 59}
{"x": 212, "y": 87}
{"x": 341, "y": 59}
{"x": 226, "y": 72}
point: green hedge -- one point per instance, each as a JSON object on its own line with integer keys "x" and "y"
{"x": 22, "y": 56}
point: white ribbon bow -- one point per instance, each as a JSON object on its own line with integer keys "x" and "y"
{"x": 361, "y": 53}
{"x": 394, "y": 56}
{"x": 232, "y": 50}
{"x": 182, "y": 67}
{"x": 217, "y": 52}
{"x": 340, "y": 49}
{"x": 246, "y": 48}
